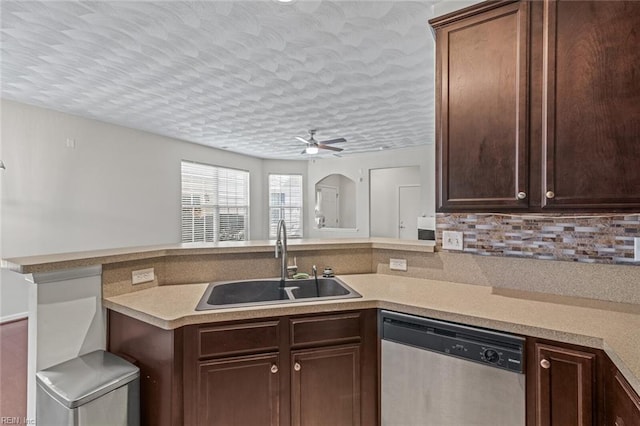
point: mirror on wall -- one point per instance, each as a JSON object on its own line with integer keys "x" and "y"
{"x": 335, "y": 205}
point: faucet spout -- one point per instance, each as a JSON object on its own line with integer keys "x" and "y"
{"x": 281, "y": 249}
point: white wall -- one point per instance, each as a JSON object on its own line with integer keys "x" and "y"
{"x": 357, "y": 168}
{"x": 347, "y": 210}
{"x": 119, "y": 187}
{"x": 448, "y": 6}
{"x": 384, "y": 198}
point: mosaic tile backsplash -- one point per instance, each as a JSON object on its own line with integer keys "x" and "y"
{"x": 601, "y": 238}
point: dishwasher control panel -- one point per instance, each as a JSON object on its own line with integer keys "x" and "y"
{"x": 488, "y": 347}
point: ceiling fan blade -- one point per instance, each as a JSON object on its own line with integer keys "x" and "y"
{"x": 330, "y": 141}
{"x": 302, "y": 140}
{"x": 330, "y": 148}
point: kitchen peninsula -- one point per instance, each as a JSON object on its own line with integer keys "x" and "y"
{"x": 455, "y": 287}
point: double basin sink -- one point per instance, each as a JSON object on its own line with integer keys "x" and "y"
{"x": 230, "y": 294}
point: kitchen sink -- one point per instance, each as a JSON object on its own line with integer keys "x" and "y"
{"x": 229, "y": 294}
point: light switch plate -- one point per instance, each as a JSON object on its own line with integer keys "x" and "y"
{"x": 452, "y": 240}
{"x": 636, "y": 249}
{"x": 142, "y": 276}
{"x": 398, "y": 264}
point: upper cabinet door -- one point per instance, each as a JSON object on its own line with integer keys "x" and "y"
{"x": 481, "y": 109}
{"x": 591, "y": 104}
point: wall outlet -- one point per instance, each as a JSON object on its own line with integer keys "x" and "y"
{"x": 452, "y": 240}
{"x": 142, "y": 276}
{"x": 636, "y": 249}
{"x": 398, "y": 264}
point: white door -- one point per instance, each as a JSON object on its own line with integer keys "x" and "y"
{"x": 329, "y": 209}
{"x": 408, "y": 211}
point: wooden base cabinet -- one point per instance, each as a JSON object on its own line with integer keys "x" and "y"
{"x": 569, "y": 385}
{"x": 323, "y": 369}
{"x": 565, "y": 385}
{"x": 302, "y": 370}
{"x": 239, "y": 391}
{"x": 622, "y": 403}
{"x": 158, "y": 354}
{"x": 325, "y": 386}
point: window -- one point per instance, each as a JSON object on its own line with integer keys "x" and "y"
{"x": 285, "y": 202}
{"x": 215, "y": 203}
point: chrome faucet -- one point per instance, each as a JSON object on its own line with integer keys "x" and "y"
{"x": 281, "y": 249}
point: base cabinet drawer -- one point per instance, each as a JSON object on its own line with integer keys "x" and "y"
{"x": 325, "y": 329}
{"x": 225, "y": 340}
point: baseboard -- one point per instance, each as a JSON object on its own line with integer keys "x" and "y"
{"x": 14, "y": 317}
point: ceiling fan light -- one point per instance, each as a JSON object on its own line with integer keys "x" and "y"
{"x": 311, "y": 149}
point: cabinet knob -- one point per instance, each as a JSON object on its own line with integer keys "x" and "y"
{"x": 297, "y": 366}
{"x": 619, "y": 421}
{"x": 545, "y": 363}
{"x": 522, "y": 195}
{"x": 274, "y": 369}
{"x": 550, "y": 194}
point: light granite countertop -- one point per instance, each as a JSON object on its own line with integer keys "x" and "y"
{"x": 613, "y": 327}
{"x": 53, "y": 262}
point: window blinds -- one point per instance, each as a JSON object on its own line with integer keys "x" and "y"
{"x": 215, "y": 203}
{"x": 285, "y": 202}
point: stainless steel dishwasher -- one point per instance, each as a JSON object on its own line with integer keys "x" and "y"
{"x": 436, "y": 373}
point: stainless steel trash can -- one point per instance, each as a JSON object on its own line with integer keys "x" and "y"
{"x": 98, "y": 388}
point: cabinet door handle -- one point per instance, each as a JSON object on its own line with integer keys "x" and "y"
{"x": 274, "y": 369}
{"x": 297, "y": 366}
{"x": 545, "y": 364}
{"x": 550, "y": 194}
{"x": 522, "y": 195}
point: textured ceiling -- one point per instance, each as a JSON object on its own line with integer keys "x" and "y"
{"x": 246, "y": 76}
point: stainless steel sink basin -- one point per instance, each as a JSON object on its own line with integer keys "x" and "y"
{"x": 229, "y": 294}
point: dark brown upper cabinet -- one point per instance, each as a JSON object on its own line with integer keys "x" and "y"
{"x": 590, "y": 104}
{"x": 481, "y": 109}
{"x": 538, "y": 106}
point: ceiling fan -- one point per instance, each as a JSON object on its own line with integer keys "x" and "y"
{"x": 313, "y": 145}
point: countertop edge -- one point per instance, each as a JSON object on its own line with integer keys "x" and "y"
{"x": 54, "y": 262}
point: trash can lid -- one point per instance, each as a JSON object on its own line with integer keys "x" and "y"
{"x": 81, "y": 380}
